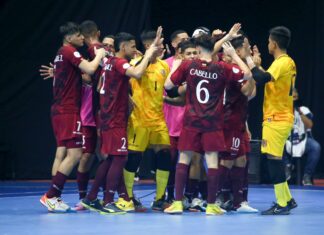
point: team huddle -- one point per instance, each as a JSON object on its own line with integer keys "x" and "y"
{"x": 191, "y": 109}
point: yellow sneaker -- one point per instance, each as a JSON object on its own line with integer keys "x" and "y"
{"x": 175, "y": 208}
{"x": 124, "y": 205}
{"x": 213, "y": 209}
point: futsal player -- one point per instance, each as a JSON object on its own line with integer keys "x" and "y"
{"x": 65, "y": 110}
{"x": 203, "y": 120}
{"x": 278, "y": 114}
{"x": 113, "y": 118}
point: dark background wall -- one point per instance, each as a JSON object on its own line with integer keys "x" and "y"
{"x": 29, "y": 38}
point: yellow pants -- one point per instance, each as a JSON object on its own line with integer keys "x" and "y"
{"x": 139, "y": 138}
{"x": 274, "y": 136}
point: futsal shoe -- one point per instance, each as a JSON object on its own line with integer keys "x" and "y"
{"x": 124, "y": 205}
{"x": 138, "y": 205}
{"x": 246, "y": 208}
{"x": 160, "y": 205}
{"x": 276, "y": 210}
{"x": 79, "y": 207}
{"x": 292, "y": 204}
{"x": 94, "y": 205}
{"x": 197, "y": 205}
{"x": 111, "y": 209}
{"x": 214, "y": 209}
{"x": 227, "y": 206}
{"x": 54, "y": 204}
{"x": 175, "y": 208}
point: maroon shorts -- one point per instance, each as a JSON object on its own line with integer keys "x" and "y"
{"x": 237, "y": 144}
{"x": 114, "y": 141}
{"x": 197, "y": 141}
{"x": 174, "y": 141}
{"x": 89, "y": 139}
{"x": 67, "y": 130}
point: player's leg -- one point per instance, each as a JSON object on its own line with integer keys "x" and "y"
{"x": 117, "y": 151}
{"x": 83, "y": 172}
{"x": 182, "y": 170}
{"x": 91, "y": 201}
{"x": 174, "y": 159}
{"x": 274, "y": 137}
{"x": 59, "y": 156}
{"x": 67, "y": 130}
{"x": 211, "y": 148}
{"x": 159, "y": 141}
{"x": 163, "y": 164}
{"x": 138, "y": 142}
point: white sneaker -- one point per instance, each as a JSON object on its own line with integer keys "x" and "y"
{"x": 54, "y": 204}
{"x": 197, "y": 205}
{"x": 185, "y": 203}
{"x": 245, "y": 208}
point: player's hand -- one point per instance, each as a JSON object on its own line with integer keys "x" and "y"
{"x": 256, "y": 56}
{"x": 229, "y": 49}
{"x": 233, "y": 33}
{"x": 47, "y": 71}
{"x": 218, "y": 33}
{"x": 153, "y": 50}
{"x": 101, "y": 52}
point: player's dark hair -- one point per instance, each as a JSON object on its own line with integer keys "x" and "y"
{"x": 205, "y": 41}
{"x": 69, "y": 28}
{"x": 122, "y": 37}
{"x": 185, "y": 45}
{"x": 175, "y": 34}
{"x": 148, "y": 35}
{"x": 281, "y": 35}
{"x": 88, "y": 28}
{"x": 109, "y": 36}
{"x": 237, "y": 42}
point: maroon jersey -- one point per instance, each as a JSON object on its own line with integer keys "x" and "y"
{"x": 67, "y": 81}
{"x": 204, "y": 96}
{"x": 235, "y": 103}
{"x": 114, "y": 94}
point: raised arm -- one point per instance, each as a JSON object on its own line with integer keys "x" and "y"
{"x": 138, "y": 71}
{"x": 91, "y": 67}
{"x": 233, "y": 33}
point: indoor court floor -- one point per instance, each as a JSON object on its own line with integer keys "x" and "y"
{"x": 22, "y": 213}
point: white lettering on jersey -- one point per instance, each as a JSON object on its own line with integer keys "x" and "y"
{"x": 203, "y": 74}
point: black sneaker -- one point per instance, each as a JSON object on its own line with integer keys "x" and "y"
{"x": 292, "y": 204}
{"x": 307, "y": 180}
{"x": 160, "y": 205}
{"x": 138, "y": 205}
{"x": 228, "y": 205}
{"x": 276, "y": 210}
{"x": 94, "y": 205}
{"x": 111, "y": 209}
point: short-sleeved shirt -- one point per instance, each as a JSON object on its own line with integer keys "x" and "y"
{"x": 147, "y": 94}
{"x": 173, "y": 114}
{"x": 204, "y": 96}
{"x": 235, "y": 103}
{"x": 114, "y": 94}
{"x": 278, "y": 99}
{"x": 95, "y": 77}
{"x": 67, "y": 81}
